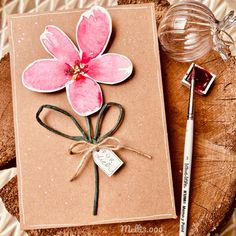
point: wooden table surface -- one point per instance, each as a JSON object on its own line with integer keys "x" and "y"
{"x": 213, "y": 185}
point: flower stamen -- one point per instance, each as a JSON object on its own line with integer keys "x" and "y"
{"x": 74, "y": 71}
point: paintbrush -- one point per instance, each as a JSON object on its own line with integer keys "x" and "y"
{"x": 188, "y": 150}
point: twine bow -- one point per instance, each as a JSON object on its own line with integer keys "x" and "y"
{"x": 222, "y": 44}
{"x": 110, "y": 143}
{"x": 85, "y": 144}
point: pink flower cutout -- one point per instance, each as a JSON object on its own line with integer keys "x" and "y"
{"x": 79, "y": 70}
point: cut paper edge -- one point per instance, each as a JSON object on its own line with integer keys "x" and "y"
{"x": 43, "y": 36}
{"x": 129, "y": 70}
{"x": 87, "y": 14}
{"x": 40, "y": 6}
{"x": 38, "y": 90}
{"x": 85, "y": 113}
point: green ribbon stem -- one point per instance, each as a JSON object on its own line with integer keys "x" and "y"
{"x": 97, "y": 138}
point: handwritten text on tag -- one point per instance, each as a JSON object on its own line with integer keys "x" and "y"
{"x": 107, "y": 160}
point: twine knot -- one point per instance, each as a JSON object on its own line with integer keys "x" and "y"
{"x": 86, "y": 149}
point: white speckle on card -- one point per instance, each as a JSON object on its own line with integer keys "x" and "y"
{"x": 18, "y": 40}
{"x": 39, "y": 167}
{"x": 39, "y": 186}
{"x": 52, "y": 179}
{"x": 46, "y": 192}
{"x": 66, "y": 203}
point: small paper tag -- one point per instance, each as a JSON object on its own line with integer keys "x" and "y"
{"x": 107, "y": 160}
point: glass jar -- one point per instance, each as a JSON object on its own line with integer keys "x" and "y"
{"x": 189, "y": 30}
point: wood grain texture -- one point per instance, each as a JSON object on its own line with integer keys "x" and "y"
{"x": 7, "y": 142}
{"x": 213, "y": 185}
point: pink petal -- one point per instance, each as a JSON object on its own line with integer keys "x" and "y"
{"x": 85, "y": 96}
{"x": 93, "y": 32}
{"x": 110, "y": 68}
{"x": 59, "y": 45}
{"x": 46, "y": 75}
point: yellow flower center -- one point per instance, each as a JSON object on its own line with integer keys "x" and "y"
{"x": 74, "y": 71}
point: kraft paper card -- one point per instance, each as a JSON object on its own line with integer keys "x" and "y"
{"x": 89, "y": 81}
